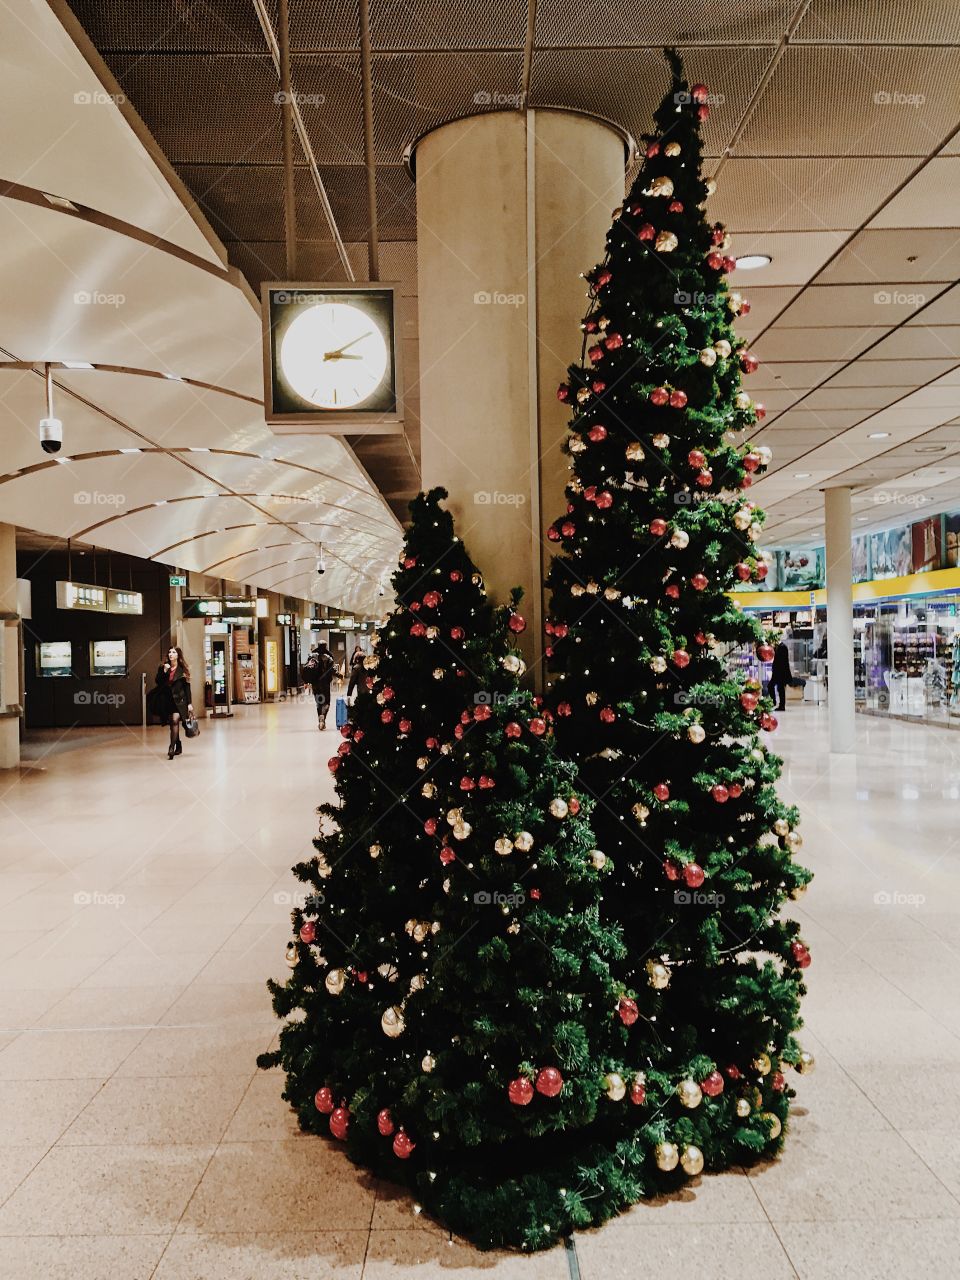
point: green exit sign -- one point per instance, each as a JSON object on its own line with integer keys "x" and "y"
{"x": 178, "y": 579}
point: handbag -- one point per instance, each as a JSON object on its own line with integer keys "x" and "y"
{"x": 190, "y": 727}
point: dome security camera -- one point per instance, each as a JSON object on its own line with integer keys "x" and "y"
{"x": 51, "y": 435}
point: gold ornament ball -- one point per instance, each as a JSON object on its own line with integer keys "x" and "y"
{"x": 392, "y": 1022}
{"x": 422, "y": 762}
{"x": 335, "y": 981}
{"x": 658, "y": 664}
{"x": 523, "y": 841}
{"x": 635, "y": 451}
{"x": 454, "y": 815}
{"x": 598, "y": 859}
{"x": 421, "y": 931}
{"x": 708, "y": 357}
{"x": 742, "y": 518}
{"x": 782, "y": 827}
{"x": 658, "y": 975}
{"x": 583, "y": 395}
{"x": 429, "y": 790}
{"x": 761, "y": 1064}
{"x": 776, "y": 1128}
{"x": 641, "y": 812}
{"x": 691, "y": 1161}
{"x": 711, "y": 185}
{"x": 734, "y": 303}
{"x": 292, "y": 955}
{"x": 672, "y": 149}
{"x": 432, "y": 633}
{"x": 438, "y": 673}
{"x": 504, "y": 846}
{"x": 615, "y": 1086}
{"x": 666, "y": 242}
{"x": 743, "y": 1108}
{"x": 375, "y": 850}
{"x": 680, "y": 539}
{"x": 418, "y": 982}
{"x": 592, "y": 698}
{"x": 689, "y": 1093}
{"x": 462, "y": 830}
{"x": 371, "y": 662}
{"x": 428, "y": 1062}
{"x": 559, "y": 807}
{"x": 765, "y": 454}
{"x": 742, "y": 400}
{"x": 696, "y": 733}
{"x": 592, "y": 587}
{"x": 388, "y": 971}
{"x": 662, "y": 186}
{"x": 576, "y": 590}
{"x": 667, "y": 1156}
{"x": 612, "y": 593}
{"x": 576, "y": 444}
{"x": 661, "y": 440}
{"x": 805, "y": 1064}
{"x": 794, "y": 841}
{"x": 723, "y": 348}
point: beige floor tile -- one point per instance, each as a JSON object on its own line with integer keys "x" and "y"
{"x": 42, "y": 1054}
{"x": 428, "y": 1256}
{"x": 262, "y": 1115}
{"x": 872, "y": 1250}
{"x": 280, "y": 1186}
{"x": 720, "y": 1251}
{"x": 26, "y": 1006}
{"x": 126, "y": 1008}
{"x": 15, "y": 1164}
{"x": 81, "y": 1257}
{"x": 209, "y": 1005}
{"x": 134, "y": 1111}
{"x": 724, "y": 1197}
{"x": 36, "y": 1112}
{"x": 136, "y": 965}
{"x": 197, "y": 1051}
{"x": 850, "y": 1175}
{"x": 893, "y": 1090}
{"x": 939, "y": 1149}
{"x": 109, "y": 1191}
{"x": 332, "y": 1255}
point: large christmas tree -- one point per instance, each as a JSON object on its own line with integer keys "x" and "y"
{"x": 657, "y": 529}
{"x": 452, "y": 1013}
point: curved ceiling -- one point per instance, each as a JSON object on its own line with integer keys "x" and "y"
{"x": 166, "y": 453}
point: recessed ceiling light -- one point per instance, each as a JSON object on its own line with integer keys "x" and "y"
{"x": 862, "y": 519}
{"x": 131, "y": 451}
{"x": 750, "y": 261}
{"x": 61, "y": 202}
{"x": 197, "y": 449}
{"x": 878, "y": 435}
{"x": 174, "y": 377}
{"x": 76, "y": 364}
{"x": 931, "y": 448}
{"x": 802, "y": 475}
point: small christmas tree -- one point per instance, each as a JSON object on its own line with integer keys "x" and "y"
{"x": 656, "y": 530}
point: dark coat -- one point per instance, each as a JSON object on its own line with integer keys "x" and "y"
{"x": 171, "y": 695}
{"x": 780, "y": 672}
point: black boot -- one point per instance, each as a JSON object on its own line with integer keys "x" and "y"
{"x": 172, "y": 751}
{"x": 179, "y": 748}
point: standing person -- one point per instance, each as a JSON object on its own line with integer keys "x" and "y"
{"x": 318, "y": 674}
{"x": 356, "y": 669}
{"x": 172, "y": 700}
{"x": 780, "y": 674}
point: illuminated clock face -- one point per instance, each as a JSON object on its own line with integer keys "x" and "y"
{"x": 334, "y": 355}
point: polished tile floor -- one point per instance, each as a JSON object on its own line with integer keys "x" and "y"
{"x": 143, "y": 903}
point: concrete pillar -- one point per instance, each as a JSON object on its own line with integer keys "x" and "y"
{"x": 839, "y": 620}
{"x": 511, "y": 207}
{"x": 10, "y": 692}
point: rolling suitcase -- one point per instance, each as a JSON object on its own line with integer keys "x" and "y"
{"x": 343, "y": 714}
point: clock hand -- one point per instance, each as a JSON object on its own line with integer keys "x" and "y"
{"x": 338, "y": 354}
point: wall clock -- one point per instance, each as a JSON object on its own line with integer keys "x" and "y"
{"x": 330, "y": 357}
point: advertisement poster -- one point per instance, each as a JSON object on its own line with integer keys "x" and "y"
{"x": 801, "y": 569}
{"x": 927, "y": 544}
{"x": 108, "y": 657}
{"x": 54, "y": 658}
{"x": 951, "y": 540}
{"x": 860, "y": 558}
{"x": 891, "y": 553}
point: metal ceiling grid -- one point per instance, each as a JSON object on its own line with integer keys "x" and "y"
{"x": 823, "y": 101}
{"x": 659, "y": 23}
{"x": 901, "y": 256}
{"x": 117, "y": 26}
{"x": 448, "y": 24}
{"x": 880, "y": 22}
{"x": 930, "y": 200}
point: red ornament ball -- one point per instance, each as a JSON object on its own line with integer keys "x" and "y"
{"x": 703, "y": 111}
{"x": 658, "y": 527}
{"x": 513, "y": 730}
{"x": 748, "y": 700}
{"x": 778, "y": 1082}
{"x": 613, "y": 341}
{"x": 447, "y": 855}
{"x": 549, "y": 1082}
{"x": 467, "y": 784}
{"x": 431, "y": 744}
{"x": 653, "y": 150}
{"x": 675, "y": 206}
{"x": 596, "y": 386}
{"x": 801, "y": 956}
{"x": 765, "y": 652}
{"x": 403, "y": 1145}
{"x": 308, "y": 931}
{"x": 699, "y": 93}
{"x": 681, "y": 658}
{"x": 699, "y": 582}
{"x": 563, "y": 393}
{"x": 431, "y": 599}
{"x": 517, "y": 623}
{"x": 323, "y": 1100}
{"x": 697, "y": 459}
{"x": 647, "y": 232}
{"x": 628, "y": 1011}
{"x": 736, "y": 791}
{"x": 608, "y": 715}
{"x": 553, "y": 533}
{"x": 604, "y": 499}
{"x": 662, "y": 791}
{"x": 751, "y": 460}
{"x": 520, "y": 1091}
{"x": 418, "y": 629}
{"x": 597, "y": 432}
{"x": 595, "y": 353}
{"x": 768, "y": 722}
{"x": 715, "y": 261}
{"x": 660, "y": 396}
{"x": 485, "y": 782}
{"x": 759, "y": 409}
{"x": 673, "y": 591}
{"x": 720, "y": 793}
{"x": 538, "y": 726}
{"x": 340, "y": 1123}
{"x": 693, "y": 876}
{"x": 405, "y": 726}
{"x": 573, "y": 804}
{"x": 712, "y": 1085}
{"x": 457, "y": 633}
{"x": 749, "y": 362}
{"x": 671, "y": 869}
{"x": 638, "y": 1093}
{"x": 410, "y": 562}
{"x": 603, "y": 278}
{"x": 430, "y": 826}
{"x": 733, "y": 1072}
{"x": 455, "y": 575}
{"x": 385, "y": 1122}
{"x": 743, "y": 571}
{"x": 333, "y": 764}
{"x": 678, "y": 399}
{"x": 705, "y": 479}
{"x": 761, "y": 571}
{"x": 568, "y": 528}
{"x": 564, "y": 709}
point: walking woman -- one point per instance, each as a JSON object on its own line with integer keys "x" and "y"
{"x": 172, "y": 700}
{"x": 356, "y": 669}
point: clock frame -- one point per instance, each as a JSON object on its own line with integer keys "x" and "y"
{"x": 286, "y": 409}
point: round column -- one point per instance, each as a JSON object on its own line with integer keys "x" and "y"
{"x": 511, "y": 207}
{"x": 841, "y": 699}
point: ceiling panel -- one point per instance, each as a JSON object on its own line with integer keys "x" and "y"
{"x": 880, "y": 22}
{"x": 796, "y": 256}
{"x": 855, "y": 101}
{"x": 943, "y": 310}
{"x": 781, "y": 343}
{"x": 452, "y": 24}
{"x": 852, "y": 306}
{"x": 898, "y": 256}
{"x": 785, "y": 194}
{"x": 892, "y": 373}
{"x": 918, "y": 342}
{"x": 930, "y": 200}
